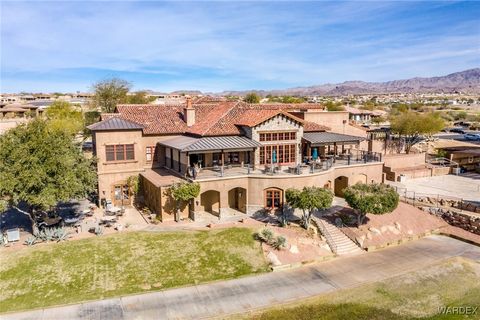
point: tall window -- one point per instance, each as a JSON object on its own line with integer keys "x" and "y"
{"x": 273, "y": 198}
{"x": 284, "y": 153}
{"x": 150, "y": 153}
{"x": 120, "y": 152}
{"x": 121, "y": 192}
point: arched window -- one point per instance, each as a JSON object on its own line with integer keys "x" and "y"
{"x": 273, "y": 198}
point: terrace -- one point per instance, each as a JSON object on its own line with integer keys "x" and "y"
{"x": 308, "y": 167}
{"x": 231, "y": 156}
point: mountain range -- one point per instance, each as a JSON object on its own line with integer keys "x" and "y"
{"x": 467, "y": 81}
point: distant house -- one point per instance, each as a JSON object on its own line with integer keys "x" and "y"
{"x": 17, "y": 110}
{"x": 361, "y": 116}
{"x": 467, "y": 157}
{"x": 244, "y": 156}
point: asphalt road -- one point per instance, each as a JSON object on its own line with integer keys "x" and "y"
{"x": 240, "y": 295}
{"x": 455, "y": 136}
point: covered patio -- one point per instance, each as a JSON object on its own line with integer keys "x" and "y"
{"x": 336, "y": 148}
{"x": 212, "y": 154}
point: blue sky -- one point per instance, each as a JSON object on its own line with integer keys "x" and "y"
{"x": 215, "y": 46}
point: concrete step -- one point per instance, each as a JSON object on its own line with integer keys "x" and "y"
{"x": 337, "y": 240}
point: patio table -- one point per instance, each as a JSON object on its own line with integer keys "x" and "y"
{"x": 108, "y": 219}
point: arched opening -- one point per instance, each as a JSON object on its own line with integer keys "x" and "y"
{"x": 237, "y": 199}
{"x": 339, "y": 185}
{"x": 210, "y": 202}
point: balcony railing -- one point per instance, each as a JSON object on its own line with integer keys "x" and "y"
{"x": 306, "y": 168}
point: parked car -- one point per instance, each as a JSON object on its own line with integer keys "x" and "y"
{"x": 87, "y": 145}
{"x": 457, "y": 130}
{"x": 472, "y": 136}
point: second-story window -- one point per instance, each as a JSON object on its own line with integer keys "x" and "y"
{"x": 278, "y": 136}
{"x": 120, "y": 152}
{"x": 150, "y": 153}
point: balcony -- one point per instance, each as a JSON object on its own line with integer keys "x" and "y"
{"x": 309, "y": 167}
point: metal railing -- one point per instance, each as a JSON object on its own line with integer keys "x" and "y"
{"x": 441, "y": 162}
{"x": 326, "y": 234}
{"x": 419, "y": 199}
{"x": 355, "y": 157}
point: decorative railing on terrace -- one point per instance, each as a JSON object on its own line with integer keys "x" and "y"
{"x": 306, "y": 168}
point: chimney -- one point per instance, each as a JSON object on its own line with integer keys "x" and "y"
{"x": 189, "y": 113}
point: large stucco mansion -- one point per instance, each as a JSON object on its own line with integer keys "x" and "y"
{"x": 244, "y": 156}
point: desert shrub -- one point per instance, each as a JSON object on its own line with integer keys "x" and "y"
{"x": 280, "y": 242}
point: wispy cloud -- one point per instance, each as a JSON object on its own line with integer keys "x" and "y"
{"x": 225, "y": 45}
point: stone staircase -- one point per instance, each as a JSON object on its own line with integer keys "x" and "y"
{"x": 336, "y": 239}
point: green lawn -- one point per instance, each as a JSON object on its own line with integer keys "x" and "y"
{"x": 411, "y": 296}
{"x": 122, "y": 264}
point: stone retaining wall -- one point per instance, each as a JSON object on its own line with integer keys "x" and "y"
{"x": 451, "y": 203}
{"x": 468, "y": 222}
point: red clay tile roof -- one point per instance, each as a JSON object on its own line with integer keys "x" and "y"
{"x": 255, "y": 116}
{"x": 289, "y": 106}
{"x": 211, "y": 119}
{"x": 313, "y": 127}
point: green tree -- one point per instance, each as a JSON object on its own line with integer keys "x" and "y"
{"x": 461, "y": 115}
{"x": 309, "y": 199}
{"x": 252, "y": 98}
{"x": 108, "y": 93}
{"x": 378, "y": 120}
{"x": 375, "y": 198}
{"x": 334, "y": 106}
{"x": 61, "y": 115}
{"x": 290, "y": 99}
{"x": 368, "y": 105}
{"x": 91, "y": 117}
{"x": 41, "y": 166}
{"x": 133, "y": 183}
{"x": 413, "y": 125}
{"x": 397, "y": 108}
{"x": 183, "y": 192}
{"x": 139, "y": 97}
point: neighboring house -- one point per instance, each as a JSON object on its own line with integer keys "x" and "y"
{"x": 361, "y": 116}
{"x": 243, "y": 156}
{"x": 16, "y": 110}
{"x": 467, "y": 158}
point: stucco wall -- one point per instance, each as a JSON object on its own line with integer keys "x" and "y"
{"x": 404, "y": 160}
{"x": 158, "y": 200}
{"x": 336, "y": 120}
{"x": 257, "y": 184}
{"x": 110, "y": 173}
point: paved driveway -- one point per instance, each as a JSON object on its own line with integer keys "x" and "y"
{"x": 465, "y": 186}
{"x": 247, "y": 293}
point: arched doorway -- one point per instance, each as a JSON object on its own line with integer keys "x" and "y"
{"x": 210, "y": 202}
{"x": 340, "y": 184}
{"x": 237, "y": 199}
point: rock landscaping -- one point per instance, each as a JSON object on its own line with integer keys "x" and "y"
{"x": 465, "y": 220}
